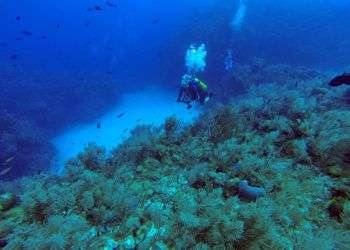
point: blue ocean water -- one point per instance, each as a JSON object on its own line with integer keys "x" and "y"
{"x": 65, "y": 63}
{"x": 112, "y": 157}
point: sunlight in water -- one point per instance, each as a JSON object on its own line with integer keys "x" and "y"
{"x": 238, "y": 18}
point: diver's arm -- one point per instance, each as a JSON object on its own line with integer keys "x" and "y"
{"x": 180, "y": 97}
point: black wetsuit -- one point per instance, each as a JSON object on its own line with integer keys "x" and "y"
{"x": 193, "y": 91}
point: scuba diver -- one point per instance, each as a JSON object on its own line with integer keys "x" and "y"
{"x": 193, "y": 89}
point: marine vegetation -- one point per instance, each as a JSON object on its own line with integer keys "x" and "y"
{"x": 268, "y": 170}
{"x": 23, "y": 147}
{"x": 26, "y": 131}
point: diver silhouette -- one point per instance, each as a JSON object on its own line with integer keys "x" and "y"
{"x": 193, "y": 89}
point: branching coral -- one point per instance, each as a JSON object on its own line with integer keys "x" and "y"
{"x": 93, "y": 157}
{"x": 24, "y": 150}
{"x": 222, "y": 125}
{"x": 170, "y": 126}
{"x": 186, "y": 187}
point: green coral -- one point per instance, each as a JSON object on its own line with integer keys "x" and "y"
{"x": 176, "y": 186}
{"x": 222, "y": 125}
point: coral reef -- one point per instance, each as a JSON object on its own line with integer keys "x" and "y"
{"x": 270, "y": 170}
{"x": 28, "y": 122}
{"x": 24, "y": 149}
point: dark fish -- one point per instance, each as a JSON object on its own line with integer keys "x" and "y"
{"x": 138, "y": 120}
{"x": 8, "y": 160}
{"x": 43, "y": 37}
{"x": 156, "y": 20}
{"x": 26, "y": 32}
{"x": 340, "y": 80}
{"x": 58, "y": 26}
{"x": 109, "y": 72}
{"x": 98, "y": 125}
{"x": 5, "y": 171}
{"x": 120, "y": 115}
{"x": 19, "y": 38}
{"x": 110, "y": 48}
{"x": 111, "y": 4}
{"x": 18, "y": 18}
{"x": 14, "y": 57}
{"x": 96, "y": 7}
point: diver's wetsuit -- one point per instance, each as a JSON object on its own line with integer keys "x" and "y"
{"x": 194, "y": 90}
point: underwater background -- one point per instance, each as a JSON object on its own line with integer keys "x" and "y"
{"x": 96, "y": 152}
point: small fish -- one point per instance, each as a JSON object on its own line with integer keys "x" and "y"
{"x": 125, "y": 130}
{"x": 8, "y": 160}
{"x": 18, "y": 18}
{"x": 111, "y": 4}
{"x": 340, "y": 80}
{"x": 109, "y": 72}
{"x": 26, "y": 32}
{"x": 58, "y": 26}
{"x": 14, "y": 57}
{"x": 5, "y": 171}
{"x": 96, "y": 7}
{"x": 120, "y": 115}
{"x": 19, "y": 38}
{"x": 98, "y": 125}
{"x": 138, "y": 120}
{"x": 43, "y": 37}
{"x": 110, "y": 48}
{"x": 156, "y": 20}
{"x": 235, "y": 166}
